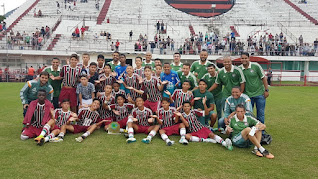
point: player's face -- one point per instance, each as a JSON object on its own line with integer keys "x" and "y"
{"x": 158, "y": 70}
{"x": 203, "y": 55}
{"x": 165, "y": 104}
{"x": 73, "y": 61}
{"x": 85, "y": 58}
{"x": 100, "y": 62}
{"x": 95, "y": 105}
{"x": 84, "y": 81}
{"x": 147, "y": 72}
{"x": 138, "y": 62}
{"x": 227, "y": 62}
{"x": 186, "y": 107}
{"x": 158, "y": 62}
{"x": 166, "y": 68}
{"x": 120, "y": 101}
{"x": 202, "y": 86}
{"x": 240, "y": 112}
{"x": 44, "y": 79}
{"x": 185, "y": 69}
{"x": 176, "y": 58}
{"x": 139, "y": 102}
{"x": 129, "y": 70}
{"x": 41, "y": 97}
{"x": 107, "y": 69}
{"x": 185, "y": 86}
{"x": 108, "y": 89}
{"x": 148, "y": 56}
{"x": 115, "y": 57}
{"x": 236, "y": 93}
{"x": 65, "y": 106}
{"x": 122, "y": 59}
{"x": 211, "y": 70}
{"x": 116, "y": 86}
{"x": 55, "y": 63}
{"x": 245, "y": 59}
{"x": 92, "y": 69}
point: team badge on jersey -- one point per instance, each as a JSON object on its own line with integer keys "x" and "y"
{"x": 233, "y": 75}
{"x": 252, "y": 71}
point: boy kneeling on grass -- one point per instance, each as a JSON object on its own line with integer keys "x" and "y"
{"x": 247, "y": 131}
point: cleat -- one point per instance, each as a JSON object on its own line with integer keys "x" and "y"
{"x": 183, "y": 141}
{"x": 79, "y": 139}
{"x": 146, "y": 140}
{"x": 41, "y": 142}
{"x": 268, "y": 155}
{"x": 130, "y": 140}
{"x": 228, "y": 144}
{"x": 257, "y": 153}
{"x": 56, "y": 139}
{"x": 38, "y": 138}
{"x": 170, "y": 143}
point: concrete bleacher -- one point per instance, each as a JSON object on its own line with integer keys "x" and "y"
{"x": 310, "y": 7}
{"x": 20, "y": 10}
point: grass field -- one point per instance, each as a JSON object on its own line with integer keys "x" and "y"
{"x": 290, "y": 119}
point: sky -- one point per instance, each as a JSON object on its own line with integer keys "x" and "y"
{"x": 10, "y": 4}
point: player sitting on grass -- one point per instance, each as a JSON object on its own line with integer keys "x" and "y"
{"x": 140, "y": 121}
{"x": 59, "y": 118}
{"x": 169, "y": 124}
{"x": 197, "y": 131}
{"x": 86, "y": 122}
{"x": 121, "y": 111}
{"x": 181, "y": 95}
{"x": 246, "y": 131}
{"x": 37, "y": 115}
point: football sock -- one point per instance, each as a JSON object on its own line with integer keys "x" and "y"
{"x": 194, "y": 139}
{"x": 50, "y": 136}
{"x": 219, "y": 140}
{"x": 121, "y": 130}
{"x": 86, "y": 134}
{"x": 208, "y": 140}
{"x": 182, "y": 133}
{"x": 255, "y": 148}
{"x": 130, "y": 132}
{"x": 151, "y": 134}
{"x": 61, "y": 135}
{"x": 165, "y": 137}
{"x": 45, "y": 130}
{"x": 261, "y": 149}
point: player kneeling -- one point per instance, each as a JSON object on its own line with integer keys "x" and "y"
{"x": 139, "y": 122}
{"x": 86, "y": 122}
{"x": 169, "y": 124}
{"x": 60, "y": 117}
{"x": 247, "y": 131}
{"x": 197, "y": 131}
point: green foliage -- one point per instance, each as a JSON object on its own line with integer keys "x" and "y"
{"x": 290, "y": 119}
{"x": 2, "y": 18}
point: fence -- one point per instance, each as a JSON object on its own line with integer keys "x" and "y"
{"x": 284, "y": 80}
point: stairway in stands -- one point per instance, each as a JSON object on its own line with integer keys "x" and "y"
{"x": 103, "y": 12}
{"x": 54, "y": 41}
{"x": 22, "y": 15}
{"x": 309, "y": 17}
{"x": 235, "y": 31}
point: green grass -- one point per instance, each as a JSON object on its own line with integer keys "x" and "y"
{"x": 290, "y": 119}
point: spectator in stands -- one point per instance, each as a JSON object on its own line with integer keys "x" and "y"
{"x": 82, "y": 31}
{"x": 112, "y": 46}
{"x": 31, "y": 73}
{"x": 316, "y": 44}
{"x": 172, "y": 45}
{"x": 158, "y": 27}
{"x": 152, "y": 46}
{"x": 77, "y": 32}
{"x": 301, "y": 40}
{"x": 130, "y": 35}
{"x": 117, "y": 45}
{"x": 40, "y": 13}
{"x": 162, "y": 27}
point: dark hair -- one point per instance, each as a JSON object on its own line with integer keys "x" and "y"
{"x": 186, "y": 102}
{"x": 115, "y": 82}
{"x": 108, "y": 65}
{"x": 157, "y": 59}
{"x": 139, "y": 97}
{"x": 65, "y": 100}
{"x": 245, "y": 53}
{"x": 122, "y": 55}
{"x": 187, "y": 64}
{"x": 240, "y": 106}
{"x": 85, "y": 54}
{"x": 147, "y": 66}
{"x": 100, "y": 56}
{"x": 177, "y": 53}
{"x": 120, "y": 95}
{"x": 202, "y": 80}
{"x": 211, "y": 65}
{"x": 187, "y": 81}
{"x": 96, "y": 99}
{"x": 165, "y": 99}
{"x": 204, "y": 50}
{"x": 54, "y": 58}
{"x": 83, "y": 75}
{"x": 45, "y": 73}
{"x": 116, "y": 52}
{"x": 93, "y": 64}
{"x": 158, "y": 65}
{"x": 166, "y": 63}
{"x": 139, "y": 58}
{"x": 42, "y": 90}
{"x": 237, "y": 87}
{"x": 74, "y": 55}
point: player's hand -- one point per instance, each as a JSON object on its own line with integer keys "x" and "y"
{"x": 227, "y": 121}
{"x": 196, "y": 98}
{"x": 177, "y": 83}
{"x": 140, "y": 79}
{"x": 135, "y": 120}
{"x": 99, "y": 94}
{"x": 180, "y": 107}
{"x": 97, "y": 81}
{"x": 52, "y": 77}
{"x": 25, "y": 106}
{"x": 154, "y": 116}
{"x": 165, "y": 82}
{"x": 204, "y": 100}
{"x": 114, "y": 73}
{"x": 190, "y": 92}
{"x": 266, "y": 94}
{"x": 229, "y": 129}
{"x": 195, "y": 74}
{"x": 129, "y": 87}
{"x": 120, "y": 81}
{"x": 85, "y": 105}
{"x": 178, "y": 114}
{"x": 116, "y": 112}
{"x": 73, "y": 114}
{"x": 167, "y": 92}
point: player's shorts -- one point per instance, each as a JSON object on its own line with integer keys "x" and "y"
{"x": 78, "y": 128}
{"x": 239, "y": 141}
{"x": 153, "y": 106}
{"x": 68, "y": 93}
{"x": 142, "y": 129}
{"x": 87, "y": 101}
{"x": 172, "y": 130}
{"x": 32, "y": 131}
{"x": 55, "y": 127}
{"x": 202, "y": 133}
{"x": 123, "y": 122}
